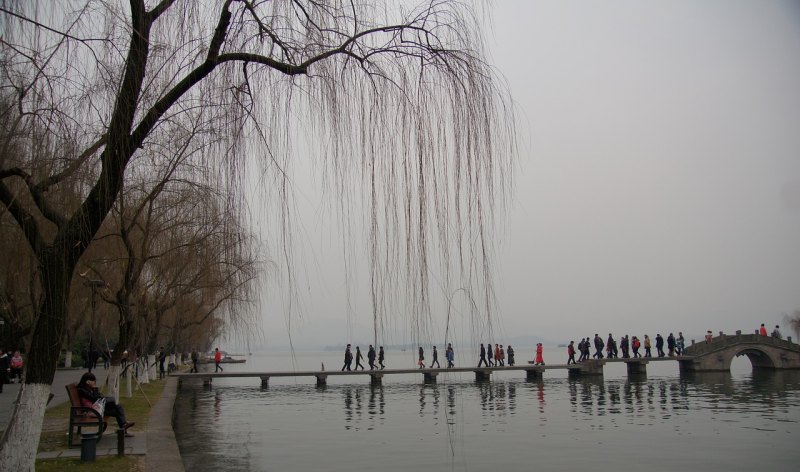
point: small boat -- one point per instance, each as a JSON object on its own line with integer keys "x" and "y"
{"x": 226, "y": 360}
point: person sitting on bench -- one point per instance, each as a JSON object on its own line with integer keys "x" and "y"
{"x": 89, "y": 394}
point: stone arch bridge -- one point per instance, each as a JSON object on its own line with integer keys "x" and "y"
{"x": 764, "y": 352}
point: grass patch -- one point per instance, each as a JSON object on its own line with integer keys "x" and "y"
{"x": 103, "y": 464}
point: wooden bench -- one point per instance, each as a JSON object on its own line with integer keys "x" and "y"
{"x": 82, "y": 417}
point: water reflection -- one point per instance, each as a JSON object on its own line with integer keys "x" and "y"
{"x": 711, "y": 406}
{"x": 498, "y": 398}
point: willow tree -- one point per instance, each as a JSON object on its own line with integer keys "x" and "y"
{"x": 399, "y": 99}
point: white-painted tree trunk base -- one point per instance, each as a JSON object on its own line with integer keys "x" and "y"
{"x": 129, "y": 379}
{"x": 152, "y": 370}
{"x": 113, "y": 382}
{"x": 68, "y": 360}
{"x": 144, "y": 373}
{"x": 21, "y": 438}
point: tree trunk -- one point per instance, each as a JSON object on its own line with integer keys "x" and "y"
{"x": 128, "y": 379}
{"x": 21, "y": 438}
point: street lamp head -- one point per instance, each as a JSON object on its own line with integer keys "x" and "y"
{"x": 96, "y": 283}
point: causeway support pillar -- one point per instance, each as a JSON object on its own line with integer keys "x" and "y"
{"x": 593, "y": 367}
{"x": 264, "y": 381}
{"x": 322, "y": 380}
{"x": 483, "y": 375}
{"x": 377, "y": 379}
{"x": 533, "y": 374}
{"x": 206, "y": 381}
{"x": 430, "y": 377}
{"x": 637, "y": 367}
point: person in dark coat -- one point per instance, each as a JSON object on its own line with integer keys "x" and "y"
{"x": 381, "y": 358}
{"x": 598, "y": 345}
{"x": 89, "y": 394}
{"x": 359, "y": 358}
{"x": 348, "y": 358}
{"x": 5, "y": 369}
{"x": 435, "y": 358}
{"x": 659, "y": 345}
{"x": 371, "y": 357}
{"x": 671, "y": 344}
{"x": 625, "y": 346}
{"x": 482, "y": 359}
{"x": 162, "y": 358}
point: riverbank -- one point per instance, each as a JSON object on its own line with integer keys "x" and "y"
{"x": 153, "y": 448}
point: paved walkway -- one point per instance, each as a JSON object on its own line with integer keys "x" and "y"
{"x": 157, "y": 444}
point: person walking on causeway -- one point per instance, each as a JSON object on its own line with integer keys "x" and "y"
{"x": 450, "y": 354}
{"x": 359, "y": 358}
{"x": 539, "y": 354}
{"x": 89, "y": 394}
{"x": 647, "y": 352}
{"x": 598, "y": 345}
{"x": 381, "y": 358}
{"x": 510, "y": 355}
{"x": 482, "y": 359}
{"x": 489, "y": 354}
{"x": 217, "y": 360}
{"x": 659, "y": 345}
{"x": 624, "y": 346}
{"x": 435, "y": 358}
{"x": 195, "y": 358}
{"x": 571, "y": 353}
{"x": 371, "y": 357}
{"x": 348, "y": 358}
{"x": 421, "y": 361}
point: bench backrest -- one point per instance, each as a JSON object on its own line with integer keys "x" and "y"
{"x": 72, "y": 391}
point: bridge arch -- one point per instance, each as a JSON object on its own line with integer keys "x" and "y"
{"x": 763, "y": 353}
{"x": 759, "y": 358}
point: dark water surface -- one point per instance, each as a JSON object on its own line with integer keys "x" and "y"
{"x": 748, "y": 421}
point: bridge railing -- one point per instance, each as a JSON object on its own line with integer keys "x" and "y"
{"x": 723, "y": 341}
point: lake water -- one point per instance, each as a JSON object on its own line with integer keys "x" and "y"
{"x": 748, "y": 421}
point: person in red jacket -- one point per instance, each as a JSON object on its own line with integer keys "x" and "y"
{"x": 218, "y": 360}
{"x": 539, "y": 356}
{"x": 570, "y": 353}
{"x": 763, "y": 330}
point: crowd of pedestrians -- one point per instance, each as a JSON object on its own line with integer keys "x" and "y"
{"x": 498, "y": 356}
{"x": 628, "y": 345}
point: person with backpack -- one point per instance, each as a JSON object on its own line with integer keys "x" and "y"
{"x": 451, "y": 356}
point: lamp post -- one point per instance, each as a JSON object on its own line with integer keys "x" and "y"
{"x": 94, "y": 284}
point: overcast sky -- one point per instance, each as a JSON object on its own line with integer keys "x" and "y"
{"x": 658, "y": 185}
